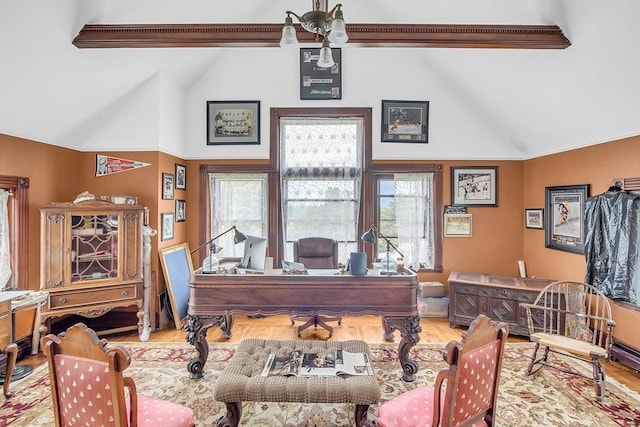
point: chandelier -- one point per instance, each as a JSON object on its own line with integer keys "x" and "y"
{"x": 326, "y": 24}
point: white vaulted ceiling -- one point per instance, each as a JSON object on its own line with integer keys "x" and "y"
{"x": 484, "y": 103}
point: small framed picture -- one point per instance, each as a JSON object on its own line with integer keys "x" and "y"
{"x": 181, "y": 212}
{"x": 474, "y": 185}
{"x": 457, "y": 225}
{"x": 533, "y": 218}
{"x": 181, "y": 177}
{"x": 233, "y": 122}
{"x": 167, "y": 226}
{"x": 405, "y": 121}
{"x": 167, "y": 186}
{"x": 319, "y": 82}
{"x": 565, "y": 217}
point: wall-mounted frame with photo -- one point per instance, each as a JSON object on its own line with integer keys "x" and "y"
{"x": 167, "y": 226}
{"x": 534, "y": 218}
{"x": 474, "y": 185}
{"x": 168, "y": 182}
{"x": 181, "y": 210}
{"x": 405, "y": 121}
{"x": 457, "y": 225}
{"x": 320, "y": 82}
{"x": 564, "y": 229}
{"x": 233, "y": 122}
{"x": 181, "y": 177}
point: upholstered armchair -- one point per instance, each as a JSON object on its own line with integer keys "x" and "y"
{"x": 316, "y": 252}
{"x": 88, "y": 386}
{"x": 465, "y": 393}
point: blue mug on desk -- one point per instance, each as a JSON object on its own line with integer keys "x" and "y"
{"x": 358, "y": 264}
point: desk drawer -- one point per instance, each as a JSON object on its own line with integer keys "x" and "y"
{"x": 78, "y": 298}
{"x": 5, "y": 324}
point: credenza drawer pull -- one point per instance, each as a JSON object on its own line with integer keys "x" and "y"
{"x": 62, "y": 300}
{"x": 125, "y": 293}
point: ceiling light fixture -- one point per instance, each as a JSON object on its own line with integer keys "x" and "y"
{"x": 326, "y": 24}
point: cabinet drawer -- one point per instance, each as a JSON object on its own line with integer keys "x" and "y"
{"x": 92, "y": 296}
{"x": 5, "y": 323}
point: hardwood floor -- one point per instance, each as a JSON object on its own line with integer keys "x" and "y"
{"x": 367, "y": 328}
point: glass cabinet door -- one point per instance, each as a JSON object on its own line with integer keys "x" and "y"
{"x": 94, "y": 247}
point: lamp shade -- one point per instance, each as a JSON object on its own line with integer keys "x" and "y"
{"x": 338, "y": 32}
{"x": 326, "y": 59}
{"x": 238, "y": 236}
{"x": 369, "y": 236}
{"x": 289, "y": 38}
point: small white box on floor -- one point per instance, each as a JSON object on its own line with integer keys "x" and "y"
{"x": 433, "y": 307}
{"x": 430, "y": 289}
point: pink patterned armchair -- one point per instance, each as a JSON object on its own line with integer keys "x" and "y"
{"x": 465, "y": 393}
{"x": 88, "y": 387}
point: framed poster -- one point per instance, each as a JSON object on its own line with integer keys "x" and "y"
{"x": 457, "y": 225}
{"x": 319, "y": 82}
{"x": 167, "y": 186}
{"x": 564, "y": 229}
{"x": 474, "y": 185}
{"x": 405, "y": 121}
{"x": 233, "y": 122}
{"x": 181, "y": 177}
{"x": 167, "y": 226}
{"x": 181, "y": 213}
{"x": 533, "y": 218}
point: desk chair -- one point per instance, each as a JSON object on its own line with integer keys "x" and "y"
{"x": 316, "y": 252}
{"x": 88, "y": 386}
{"x": 465, "y": 393}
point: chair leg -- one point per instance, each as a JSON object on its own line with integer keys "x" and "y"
{"x": 532, "y": 360}
{"x": 232, "y": 417}
{"x": 598, "y": 378}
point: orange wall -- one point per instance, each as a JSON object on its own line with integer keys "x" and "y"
{"x": 499, "y": 238}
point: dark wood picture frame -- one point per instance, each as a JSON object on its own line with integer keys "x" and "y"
{"x": 233, "y": 122}
{"x": 405, "y": 121}
{"x": 181, "y": 210}
{"x": 474, "y": 185}
{"x": 534, "y": 218}
{"x": 181, "y": 177}
{"x": 564, "y": 229}
{"x": 319, "y": 82}
{"x": 168, "y": 182}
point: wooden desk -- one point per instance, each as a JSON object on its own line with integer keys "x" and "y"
{"x": 6, "y": 334}
{"x": 214, "y": 298}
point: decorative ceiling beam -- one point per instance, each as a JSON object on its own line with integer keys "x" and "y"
{"x": 362, "y": 35}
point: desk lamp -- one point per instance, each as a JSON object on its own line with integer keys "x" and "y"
{"x": 370, "y": 237}
{"x": 215, "y": 249}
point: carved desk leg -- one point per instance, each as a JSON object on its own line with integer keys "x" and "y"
{"x": 12, "y": 354}
{"x": 410, "y": 329}
{"x": 197, "y": 336}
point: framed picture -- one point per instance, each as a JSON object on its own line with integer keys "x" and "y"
{"x": 181, "y": 213}
{"x": 167, "y": 226}
{"x": 167, "y": 186}
{"x": 474, "y": 185}
{"x": 533, "y": 218}
{"x": 564, "y": 229}
{"x": 320, "y": 82}
{"x": 233, "y": 122}
{"x": 181, "y": 177}
{"x": 405, "y": 121}
{"x": 457, "y": 225}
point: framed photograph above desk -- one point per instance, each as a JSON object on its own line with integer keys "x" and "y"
{"x": 319, "y": 82}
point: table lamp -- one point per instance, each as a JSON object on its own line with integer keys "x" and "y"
{"x": 215, "y": 249}
{"x": 371, "y": 235}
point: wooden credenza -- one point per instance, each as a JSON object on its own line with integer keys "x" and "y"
{"x": 498, "y": 297}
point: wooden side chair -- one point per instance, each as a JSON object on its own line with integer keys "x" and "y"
{"x": 320, "y": 253}
{"x": 88, "y": 386}
{"x": 465, "y": 393}
{"x": 571, "y": 319}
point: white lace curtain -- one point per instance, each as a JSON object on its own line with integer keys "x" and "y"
{"x": 414, "y": 207}
{"x": 5, "y": 259}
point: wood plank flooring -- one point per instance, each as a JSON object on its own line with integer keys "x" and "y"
{"x": 367, "y": 328}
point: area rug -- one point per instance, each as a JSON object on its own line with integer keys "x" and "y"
{"x": 546, "y": 399}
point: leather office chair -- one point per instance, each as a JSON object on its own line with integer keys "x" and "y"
{"x": 316, "y": 252}
{"x": 88, "y": 386}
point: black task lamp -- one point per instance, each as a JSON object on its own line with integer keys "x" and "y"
{"x": 215, "y": 249}
{"x": 371, "y": 235}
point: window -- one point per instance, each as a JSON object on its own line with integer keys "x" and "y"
{"x": 321, "y": 177}
{"x": 238, "y": 199}
{"x": 405, "y": 216}
{"x": 14, "y": 230}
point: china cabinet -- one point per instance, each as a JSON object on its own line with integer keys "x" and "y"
{"x": 91, "y": 261}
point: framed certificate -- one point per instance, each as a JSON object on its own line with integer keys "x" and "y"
{"x": 319, "y": 82}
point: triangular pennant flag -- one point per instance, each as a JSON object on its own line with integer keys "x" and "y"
{"x": 107, "y": 165}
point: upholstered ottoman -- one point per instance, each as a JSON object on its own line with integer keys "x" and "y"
{"x": 241, "y": 380}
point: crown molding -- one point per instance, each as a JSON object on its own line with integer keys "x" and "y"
{"x": 93, "y": 36}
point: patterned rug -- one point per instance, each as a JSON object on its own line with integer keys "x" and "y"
{"x": 159, "y": 369}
